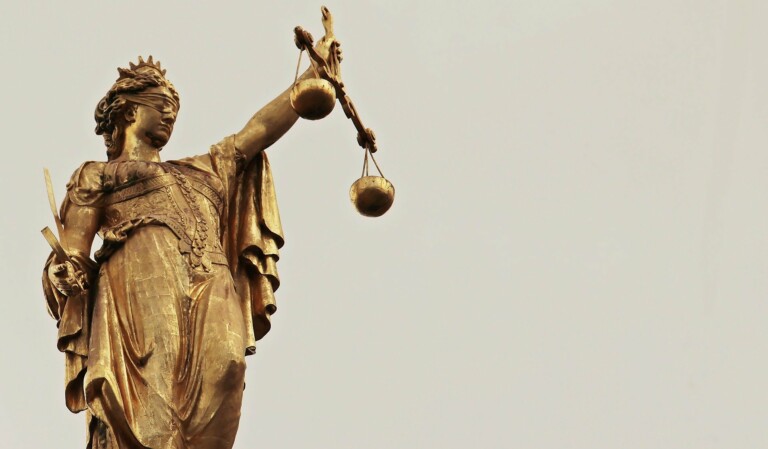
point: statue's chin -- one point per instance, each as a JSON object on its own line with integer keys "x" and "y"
{"x": 158, "y": 140}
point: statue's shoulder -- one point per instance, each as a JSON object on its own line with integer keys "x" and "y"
{"x": 90, "y": 167}
{"x": 87, "y": 174}
{"x": 86, "y": 184}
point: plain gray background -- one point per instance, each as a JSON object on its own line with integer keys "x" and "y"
{"x": 577, "y": 253}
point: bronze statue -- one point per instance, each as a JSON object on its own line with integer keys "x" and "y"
{"x": 156, "y": 327}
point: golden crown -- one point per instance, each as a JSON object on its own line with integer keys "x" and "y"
{"x": 148, "y": 63}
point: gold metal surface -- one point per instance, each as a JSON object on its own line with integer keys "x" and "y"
{"x": 372, "y": 195}
{"x": 313, "y": 98}
{"x": 155, "y": 327}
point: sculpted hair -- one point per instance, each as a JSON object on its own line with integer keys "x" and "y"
{"x": 110, "y": 109}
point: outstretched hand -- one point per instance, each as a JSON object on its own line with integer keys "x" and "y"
{"x": 329, "y": 48}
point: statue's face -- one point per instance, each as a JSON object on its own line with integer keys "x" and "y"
{"x": 154, "y": 124}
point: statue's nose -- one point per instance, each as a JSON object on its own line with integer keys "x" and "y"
{"x": 169, "y": 117}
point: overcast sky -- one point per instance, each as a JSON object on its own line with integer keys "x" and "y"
{"x": 576, "y": 256}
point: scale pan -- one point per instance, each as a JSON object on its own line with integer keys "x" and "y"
{"x": 313, "y": 98}
{"x": 372, "y": 195}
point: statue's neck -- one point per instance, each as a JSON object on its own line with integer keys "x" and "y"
{"x": 135, "y": 149}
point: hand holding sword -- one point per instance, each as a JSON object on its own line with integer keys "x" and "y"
{"x": 64, "y": 275}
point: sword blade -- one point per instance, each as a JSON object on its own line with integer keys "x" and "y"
{"x": 52, "y": 203}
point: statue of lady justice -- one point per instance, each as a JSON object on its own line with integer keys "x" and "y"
{"x": 183, "y": 285}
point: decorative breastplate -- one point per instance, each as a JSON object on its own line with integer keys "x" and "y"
{"x": 183, "y": 203}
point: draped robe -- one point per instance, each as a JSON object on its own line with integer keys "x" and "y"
{"x": 180, "y": 292}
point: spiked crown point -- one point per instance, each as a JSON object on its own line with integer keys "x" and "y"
{"x": 150, "y": 63}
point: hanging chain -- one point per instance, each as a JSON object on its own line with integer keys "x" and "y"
{"x": 367, "y": 153}
{"x": 365, "y": 164}
{"x": 376, "y": 164}
{"x": 312, "y": 64}
{"x": 298, "y": 65}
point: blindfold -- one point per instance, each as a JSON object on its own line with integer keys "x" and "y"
{"x": 158, "y": 102}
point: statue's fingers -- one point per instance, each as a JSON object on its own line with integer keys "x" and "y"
{"x": 69, "y": 268}
{"x": 62, "y": 269}
{"x": 63, "y": 287}
{"x": 81, "y": 280}
{"x": 327, "y": 21}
